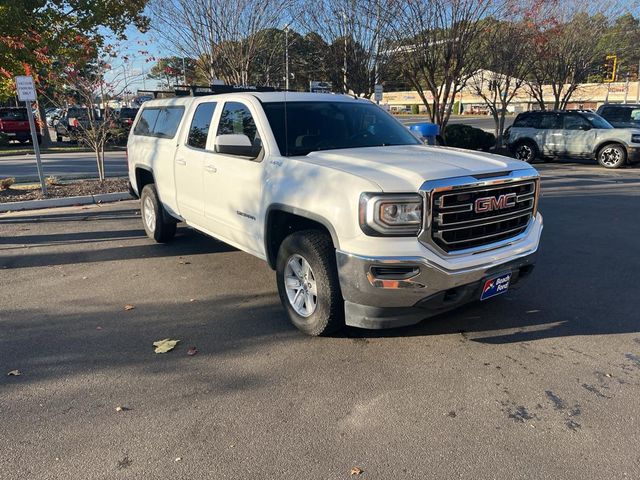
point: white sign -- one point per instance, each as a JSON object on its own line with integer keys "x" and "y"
{"x": 26, "y": 89}
{"x": 377, "y": 89}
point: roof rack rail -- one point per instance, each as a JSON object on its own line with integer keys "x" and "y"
{"x": 202, "y": 90}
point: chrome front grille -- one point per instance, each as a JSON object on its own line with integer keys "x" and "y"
{"x": 480, "y": 214}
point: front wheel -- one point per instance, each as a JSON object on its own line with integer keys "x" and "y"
{"x": 308, "y": 283}
{"x": 158, "y": 224}
{"x": 612, "y": 156}
{"x": 525, "y": 151}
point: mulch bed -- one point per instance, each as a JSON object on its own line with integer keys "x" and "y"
{"x": 75, "y": 188}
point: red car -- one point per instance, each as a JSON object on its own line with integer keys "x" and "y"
{"x": 15, "y": 124}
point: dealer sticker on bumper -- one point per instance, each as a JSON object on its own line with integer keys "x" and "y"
{"x": 495, "y": 286}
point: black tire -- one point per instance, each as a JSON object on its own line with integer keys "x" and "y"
{"x": 164, "y": 226}
{"x": 525, "y": 150}
{"x": 613, "y": 155}
{"x": 58, "y": 138}
{"x": 316, "y": 248}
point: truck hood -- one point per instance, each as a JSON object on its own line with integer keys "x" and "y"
{"x": 405, "y": 168}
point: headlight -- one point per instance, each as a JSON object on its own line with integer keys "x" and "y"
{"x": 391, "y": 214}
{"x": 635, "y": 138}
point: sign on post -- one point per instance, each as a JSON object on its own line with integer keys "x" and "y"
{"x": 26, "y": 90}
{"x": 377, "y": 93}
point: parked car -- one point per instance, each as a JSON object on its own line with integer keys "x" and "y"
{"x": 621, "y": 115}
{"x": 362, "y": 223}
{"x": 14, "y": 123}
{"x": 125, "y": 117}
{"x": 72, "y": 121}
{"x": 577, "y": 134}
{"x": 52, "y": 115}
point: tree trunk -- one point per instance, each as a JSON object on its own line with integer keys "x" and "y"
{"x": 46, "y": 137}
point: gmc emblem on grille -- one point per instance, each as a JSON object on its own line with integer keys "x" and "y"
{"x": 489, "y": 204}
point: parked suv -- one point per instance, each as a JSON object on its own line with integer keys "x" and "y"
{"x": 72, "y": 121}
{"x": 578, "y": 134}
{"x": 621, "y": 115}
{"x": 362, "y": 223}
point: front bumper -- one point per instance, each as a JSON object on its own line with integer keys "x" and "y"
{"x": 378, "y": 301}
{"x": 633, "y": 154}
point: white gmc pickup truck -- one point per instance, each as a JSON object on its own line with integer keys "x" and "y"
{"x": 362, "y": 223}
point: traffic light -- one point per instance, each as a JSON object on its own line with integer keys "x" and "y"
{"x": 610, "y": 68}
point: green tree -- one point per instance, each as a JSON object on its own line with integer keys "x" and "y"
{"x": 37, "y": 37}
{"x": 171, "y": 71}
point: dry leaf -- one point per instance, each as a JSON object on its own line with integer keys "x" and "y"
{"x": 192, "y": 351}
{"x": 121, "y": 408}
{"x": 128, "y": 307}
{"x": 164, "y": 346}
{"x": 178, "y": 459}
{"x": 192, "y": 299}
{"x": 183, "y": 262}
{"x": 98, "y": 327}
{"x": 14, "y": 373}
{"x": 356, "y": 471}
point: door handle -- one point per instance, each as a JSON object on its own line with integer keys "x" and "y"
{"x": 211, "y": 169}
{"x": 179, "y": 161}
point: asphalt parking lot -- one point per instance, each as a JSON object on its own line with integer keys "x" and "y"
{"x": 542, "y": 383}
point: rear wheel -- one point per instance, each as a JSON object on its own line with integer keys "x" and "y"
{"x": 308, "y": 284}
{"x": 526, "y": 151}
{"x": 159, "y": 225}
{"x": 612, "y": 156}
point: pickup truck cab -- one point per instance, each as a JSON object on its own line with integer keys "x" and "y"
{"x": 362, "y": 223}
{"x": 14, "y": 123}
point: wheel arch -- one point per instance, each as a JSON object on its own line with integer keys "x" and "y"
{"x": 143, "y": 176}
{"x": 610, "y": 141}
{"x": 282, "y": 220}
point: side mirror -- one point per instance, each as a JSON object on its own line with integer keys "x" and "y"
{"x": 236, "y": 144}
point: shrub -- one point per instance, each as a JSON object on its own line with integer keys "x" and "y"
{"x": 456, "y": 107}
{"x": 5, "y": 183}
{"x": 51, "y": 181}
{"x": 466, "y": 136}
{"x": 415, "y": 109}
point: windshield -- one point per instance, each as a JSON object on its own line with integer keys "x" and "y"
{"x": 597, "y": 121}
{"x": 314, "y": 126}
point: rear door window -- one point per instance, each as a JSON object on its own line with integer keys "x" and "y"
{"x": 549, "y": 121}
{"x": 199, "y": 130}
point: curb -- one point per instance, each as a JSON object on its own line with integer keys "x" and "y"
{"x": 64, "y": 202}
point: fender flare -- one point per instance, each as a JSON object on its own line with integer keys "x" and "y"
{"x": 300, "y": 212}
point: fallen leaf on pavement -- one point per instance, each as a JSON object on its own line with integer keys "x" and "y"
{"x": 164, "y": 346}
{"x": 356, "y": 471}
{"x": 192, "y": 351}
{"x": 192, "y": 299}
{"x": 14, "y": 373}
{"x": 129, "y": 307}
{"x": 121, "y": 408}
{"x": 178, "y": 459}
{"x": 182, "y": 262}
{"x": 98, "y": 327}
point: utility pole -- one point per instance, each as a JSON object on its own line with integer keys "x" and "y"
{"x": 626, "y": 88}
{"x": 184, "y": 72}
{"x": 638, "y": 85}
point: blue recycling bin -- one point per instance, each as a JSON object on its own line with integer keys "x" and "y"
{"x": 427, "y": 131}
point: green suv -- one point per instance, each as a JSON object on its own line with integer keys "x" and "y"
{"x": 575, "y": 134}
